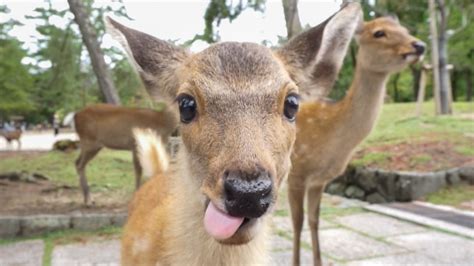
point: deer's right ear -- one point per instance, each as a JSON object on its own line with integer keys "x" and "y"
{"x": 314, "y": 57}
{"x": 157, "y": 61}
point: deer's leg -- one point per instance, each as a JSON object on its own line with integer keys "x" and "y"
{"x": 314, "y": 200}
{"x": 19, "y": 144}
{"x": 296, "y": 198}
{"x": 138, "y": 170}
{"x": 86, "y": 155}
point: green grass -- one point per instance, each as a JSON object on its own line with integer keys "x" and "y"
{"x": 398, "y": 122}
{"x": 281, "y": 212}
{"x": 452, "y": 195}
{"x": 375, "y": 157}
{"x": 109, "y": 170}
{"x": 467, "y": 150}
{"x": 329, "y": 212}
{"x": 421, "y": 158}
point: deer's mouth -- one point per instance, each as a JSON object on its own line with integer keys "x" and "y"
{"x": 412, "y": 57}
{"x": 228, "y": 229}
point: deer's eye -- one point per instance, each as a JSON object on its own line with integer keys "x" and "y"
{"x": 379, "y": 34}
{"x": 291, "y": 107}
{"x": 187, "y": 108}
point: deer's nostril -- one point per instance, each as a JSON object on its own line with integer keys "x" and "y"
{"x": 419, "y": 47}
{"x": 245, "y": 197}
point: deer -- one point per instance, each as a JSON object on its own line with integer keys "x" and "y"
{"x": 110, "y": 126}
{"x": 237, "y": 105}
{"x": 329, "y": 132}
{"x": 12, "y": 135}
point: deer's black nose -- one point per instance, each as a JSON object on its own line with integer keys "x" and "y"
{"x": 419, "y": 47}
{"x": 247, "y": 194}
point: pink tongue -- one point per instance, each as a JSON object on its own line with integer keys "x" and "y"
{"x": 220, "y": 225}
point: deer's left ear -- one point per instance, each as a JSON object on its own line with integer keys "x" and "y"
{"x": 314, "y": 57}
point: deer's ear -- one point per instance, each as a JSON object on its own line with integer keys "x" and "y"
{"x": 314, "y": 57}
{"x": 157, "y": 61}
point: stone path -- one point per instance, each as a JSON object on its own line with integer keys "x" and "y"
{"x": 349, "y": 235}
{"x": 37, "y": 140}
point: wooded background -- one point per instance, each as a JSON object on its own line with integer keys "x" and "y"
{"x": 74, "y": 78}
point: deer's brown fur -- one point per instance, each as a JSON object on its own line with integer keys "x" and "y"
{"x": 328, "y": 133}
{"x": 109, "y": 126}
{"x": 11, "y": 136}
{"x": 240, "y": 91}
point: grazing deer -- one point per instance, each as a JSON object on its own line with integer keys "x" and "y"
{"x": 329, "y": 132}
{"x": 237, "y": 105}
{"x": 11, "y": 136}
{"x": 110, "y": 126}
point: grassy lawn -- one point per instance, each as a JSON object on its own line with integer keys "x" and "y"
{"x": 398, "y": 122}
{"x": 109, "y": 170}
{"x": 453, "y": 195}
{"x": 427, "y": 142}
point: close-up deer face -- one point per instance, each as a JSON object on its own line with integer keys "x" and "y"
{"x": 237, "y": 104}
{"x": 387, "y": 46}
{"x": 237, "y": 109}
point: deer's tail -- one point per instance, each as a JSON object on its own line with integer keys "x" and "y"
{"x": 151, "y": 152}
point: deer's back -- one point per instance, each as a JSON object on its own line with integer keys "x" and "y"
{"x": 111, "y": 126}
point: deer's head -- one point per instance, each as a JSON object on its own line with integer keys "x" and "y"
{"x": 387, "y": 46}
{"x": 237, "y": 105}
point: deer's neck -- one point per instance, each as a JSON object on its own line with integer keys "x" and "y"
{"x": 191, "y": 244}
{"x": 361, "y": 107}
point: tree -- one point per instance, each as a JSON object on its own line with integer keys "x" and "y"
{"x": 292, "y": 18}
{"x": 97, "y": 58}
{"x": 461, "y": 52}
{"x": 440, "y": 54}
{"x": 218, "y": 10}
{"x": 15, "y": 80}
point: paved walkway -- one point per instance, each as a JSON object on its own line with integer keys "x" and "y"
{"x": 37, "y": 140}
{"x": 349, "y": 235}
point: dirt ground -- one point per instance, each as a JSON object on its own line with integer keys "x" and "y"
{"x": 22, "y": 197}
{"x": 44, "y": 197}
{"x": 419, "y": 156}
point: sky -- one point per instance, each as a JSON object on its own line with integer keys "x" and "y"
{"x": 181, "y": 19}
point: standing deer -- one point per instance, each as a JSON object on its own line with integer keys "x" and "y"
{"x": 237, "y": 105}
{"x": 12, "y": 135}
{"x": 110, "y": 126}
{"x": 328, "y": 133}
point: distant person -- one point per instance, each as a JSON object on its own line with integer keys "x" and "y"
{"x": 56, "y": 124}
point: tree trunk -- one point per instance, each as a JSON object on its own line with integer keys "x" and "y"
{"x": 97, "y": 58}
{"x": 416, "y": 74}
{"x": 435, "y": 55}
{"x": 395, "y": 87}
{"x": 292, "y": 18}
{"x": 443, "y": 60}
{"x": 454, "y": 85}
{"x": 468, "y": 75}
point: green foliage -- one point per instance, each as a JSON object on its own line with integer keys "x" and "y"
{"x": 218, "y": 10}
{"x": 15, "y": 81}
{"x": 69, "y": 83}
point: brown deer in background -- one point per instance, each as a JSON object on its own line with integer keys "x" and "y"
{"x": 110, "y": 126}
{"x": 237, "y": 104}
{"x": 11, "y": 136}
{"x": 328, "y": 133}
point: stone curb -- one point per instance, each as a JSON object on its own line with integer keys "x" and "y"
{"x": 21, "y": 226}
{"x": 423, "y": 220}
{"x": 380, "y": 186}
